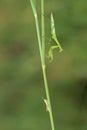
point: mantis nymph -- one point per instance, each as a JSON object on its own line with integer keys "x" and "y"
{"x": 46, "y": 103}
{"x": 54, "y": 38}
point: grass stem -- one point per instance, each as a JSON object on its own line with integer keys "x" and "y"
{"x": 44, "y": 65}
{"x": 41, "y": 43}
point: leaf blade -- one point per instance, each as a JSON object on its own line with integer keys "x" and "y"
{"x": 33, "y": 5}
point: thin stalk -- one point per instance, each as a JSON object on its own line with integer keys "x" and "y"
{"x": 42, "y": 54}
{"x": 38, "y": 36}
{"x": 37, "y": 27}
{"x": 48, "y": 99}
{"x": 43, "y": 31}
{"x": 44, "y": 66}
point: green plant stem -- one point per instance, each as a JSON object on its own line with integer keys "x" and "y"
{"x": 43, "y": 31}
{"x": 42, "y": 54}
{"x": 37, "y": 28}
{"x": 48, "y": 98}
{"x": 44, "y": 66}
{"x": 38, "y": 35}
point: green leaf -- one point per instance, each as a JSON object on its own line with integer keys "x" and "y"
{"x": 33, "y": 5}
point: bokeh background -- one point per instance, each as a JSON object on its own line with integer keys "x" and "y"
{"x": 21, "y": 81}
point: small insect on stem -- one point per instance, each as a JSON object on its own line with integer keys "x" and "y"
{"x": 54, "y": 38}
{"x": 46, "y": 103}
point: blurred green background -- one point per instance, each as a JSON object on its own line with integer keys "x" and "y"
{"x": 21, "y": 82}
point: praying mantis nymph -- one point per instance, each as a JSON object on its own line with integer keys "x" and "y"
{"x": 54, "y": 38}
{"x": 46, "y": 103}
